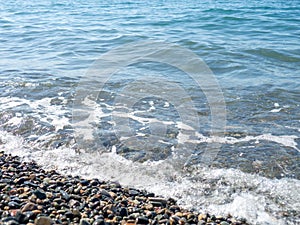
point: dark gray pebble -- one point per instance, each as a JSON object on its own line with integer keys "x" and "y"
{"x": 123, "y": 212}
{"x": 65, "y": 195}
{"x": 30, "y": 184}
{"x": 133, "y": 192}
{"x": 9, "y": 221}
{"x": 22, "y": 218}
{"x": 99, "y": 222}
{"x": 13, "y": 205}
{"x": 84, "y": 222}
{"x": 142, "y": 220}
{"x": 40, "y": 194}
{"x": 84, "y": 182}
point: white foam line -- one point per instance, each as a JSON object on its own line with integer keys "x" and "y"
{"x": 53, "y": 114}
{"x": 141, "y": 120}
{"x": 183, "y": 126}
{"x": 285, "y": 140}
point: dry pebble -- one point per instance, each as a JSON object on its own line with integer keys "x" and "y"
{"x": 32, "y": 196}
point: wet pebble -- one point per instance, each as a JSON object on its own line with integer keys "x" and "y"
{"x": 43, "y": 220}
{"x": 40, "y": 194}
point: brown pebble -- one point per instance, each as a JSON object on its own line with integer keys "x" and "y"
{"x": 182, "y": 221}
{"x": 112, "y": 194}
{"x": 13, "y": 192}
{"x": 39, "y": 201}
{"x": 43, "y": 220}
{"x": 164, "y": 221}
{"x": 149, "y": 206}
{"x": 179, "y": 214}
{"x": 21, "y": 190}
{"x": 130, "y": 222}
{"x": 190, "y": 216}
{"x": 28, "y": 207}
{"x": 14, "y": 212}
{"x": 36, "y": 211}
{"x": 202, "y": 216}
{"x": 32, "y": 176}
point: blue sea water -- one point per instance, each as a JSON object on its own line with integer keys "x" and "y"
{"x": 253, "y": 50}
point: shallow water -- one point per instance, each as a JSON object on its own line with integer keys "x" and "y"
{"x": 47, "y": 50}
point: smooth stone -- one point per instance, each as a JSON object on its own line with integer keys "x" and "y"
{"x": 224, "y": 223}
{"x": 13, "y": 192}
{"x": 13, "y": 212}
{"x": 182, "y": 221}
{"x": 84, "y": 222}
{"x": 164, "y": 221}
{"x": 29, "y": 207}
{"x": 65, "y": 195}
{"x": 105, "y": 193}
{"x": 174, "y": 219}
{"x": 155, "y": 199}
{"x": 84, "y": 182}
{"x": 150, "y": 195}
{"x": 99, "y": 222}
{"x": 47, "y": 180}
{"x": 69, "y": 214}
{"x": 110, "y": 216}
{"x": 149, "y": 206}
{"x": 95, "y": 182}
{"x": 134, "y": 215}
{"x": 58, "y": 200}
{"x": 43, "y": 220}
{"x": 130, "y": 222}
{"x": 159, "y": 217}
{"x": 112, "y": 194}
{"x": 30, "y": 215}
{"x": 174, "y": 208}
{"x": 13, "y": 205}
{"x": 20, "y": 180}
{"x": 202, "y": 217}
{"x": 156, "y": 204}
{"x": 151, "y": 214}
{"x": 9, "y": 221}
{"x": 142, "y": 220}
{"x": 179, "y": 214}
{"x": 76, "y": 213}
{"x": 36, "y": 212}
{"x": 201, "y": 222}
{"x": 40, "y": 194}
{"x": 133, "y": 192}
{"x": 123, "y": 212}
{"x": 30, "y": 184}
{"x": 22, "y": 218}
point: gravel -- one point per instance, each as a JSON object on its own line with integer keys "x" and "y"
{"x": 31, "y": 195}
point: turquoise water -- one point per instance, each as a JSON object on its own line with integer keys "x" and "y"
{"x": 252, "y": 49}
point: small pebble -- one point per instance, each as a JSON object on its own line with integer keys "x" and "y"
{"x": 224, "y": 223}
{"x": 43, "y": 220}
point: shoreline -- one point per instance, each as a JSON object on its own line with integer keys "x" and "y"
{"x": 31, "y": 195}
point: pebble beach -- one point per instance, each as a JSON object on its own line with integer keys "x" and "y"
{"x": 31, "y": 195}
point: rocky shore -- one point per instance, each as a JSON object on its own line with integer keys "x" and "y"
{"x": 30, "y": 195}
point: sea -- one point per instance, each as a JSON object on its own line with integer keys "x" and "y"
{"x": 195, "y": 100}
